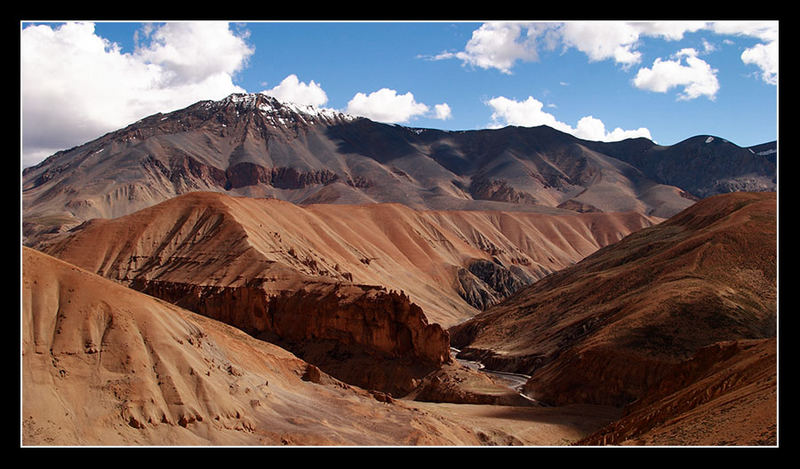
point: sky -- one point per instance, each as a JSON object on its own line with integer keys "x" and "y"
{"x": 598, "y": 80}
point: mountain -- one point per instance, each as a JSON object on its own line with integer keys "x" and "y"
{"x": 453, "y": 263}
{"x": 253, "y": 145}
{"x": 649, "y": 316}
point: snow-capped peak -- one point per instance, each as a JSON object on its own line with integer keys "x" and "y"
{"x": 279, "y": 111}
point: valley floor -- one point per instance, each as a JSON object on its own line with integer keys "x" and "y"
{"x": 525, "y": 426}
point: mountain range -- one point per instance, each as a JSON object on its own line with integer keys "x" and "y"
{"x": 256, "y": 146}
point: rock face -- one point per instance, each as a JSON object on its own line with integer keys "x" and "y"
{"x": 726, "y": 167}
{"x": 614, "y": 326}
{"x": 331, "y": 325}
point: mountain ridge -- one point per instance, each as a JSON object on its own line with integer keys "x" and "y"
{"x": 453, "y": 263}
{"x": 256, "y": 146}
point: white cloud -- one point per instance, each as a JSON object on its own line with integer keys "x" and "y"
{"x": 766, "y": 31}
{"x": 443, "y": 111}
{"x": 669, "y": 30}
{"x": 496, "y": 45}
{"x": 385, "y": 105}
{"x": 76, "y": 85}
{"x": 765, "y": 54}
{"x": 291, "y": 89}
{"x": 529, "y": 113}
{"x": 189, "y": 52}
{"x": 602, "y": 40}
{"x": 765, "y": 57}
{"x": 696, "y": 77}
{"x": 501, "y": 44}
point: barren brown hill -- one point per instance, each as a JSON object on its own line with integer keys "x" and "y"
{"x": 451, "y": 263}
{"x": 611, "y": 328}
{"x": 336, "y": 283}
{"x": 103, "y": 364}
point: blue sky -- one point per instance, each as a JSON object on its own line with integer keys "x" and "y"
{"x": 598, "y": 80}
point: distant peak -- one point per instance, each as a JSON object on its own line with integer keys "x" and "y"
{"x": 271, "y": 106}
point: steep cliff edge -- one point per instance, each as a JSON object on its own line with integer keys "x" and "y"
{"x": 360, "y": 334}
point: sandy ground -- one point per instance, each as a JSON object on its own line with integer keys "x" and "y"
{"x": 528, "y": 426}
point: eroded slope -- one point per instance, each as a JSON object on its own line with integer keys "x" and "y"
{"x": 613, "y": 326}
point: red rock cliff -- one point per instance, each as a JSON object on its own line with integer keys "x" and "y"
{"x": 328, "y": 324}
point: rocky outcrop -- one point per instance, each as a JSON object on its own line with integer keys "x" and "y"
{"x": 483, "y": 188}
{"x": 482, "y": 283}
{"x": 459, "y": 384}
{"x": 331, "y": 325}
{"x": 250, "y": 174}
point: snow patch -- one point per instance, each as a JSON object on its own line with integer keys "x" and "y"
{"x": 278, "y": 109}
{"x": 709, "y": 139}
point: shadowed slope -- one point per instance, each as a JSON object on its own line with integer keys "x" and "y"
{"x": 726, "y": 394}
{"x": 610, "y": 328}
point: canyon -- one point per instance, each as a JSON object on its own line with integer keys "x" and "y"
{"x": 303, "y": 276}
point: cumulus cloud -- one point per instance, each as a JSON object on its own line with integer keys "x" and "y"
{"x": 501, "y": 45}
{"x": 497, "y": 45}
{"x": 76, "y": 85}
{"x": 385, "y": 105}
{"x": 190, "y": 52}
{"x": 291, "y": 89}
{"x": 696, "y": 77}
{"x": 442, "y": 111}
{"x": 530, "y": 113}
{"x": 765, "y": 57}
{"x": 602, "y": 40}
